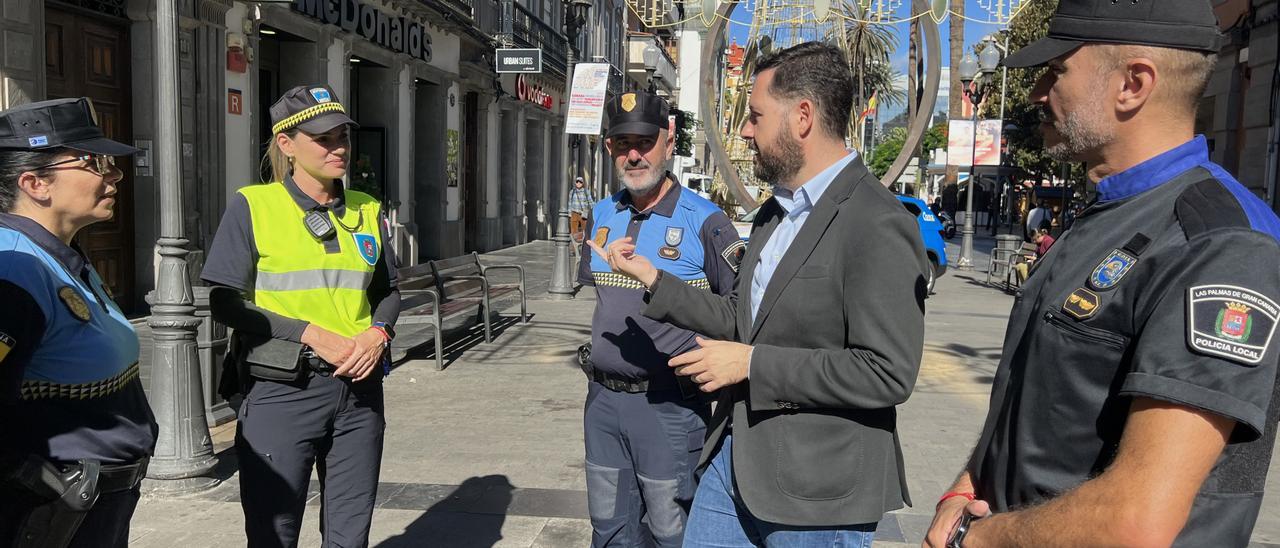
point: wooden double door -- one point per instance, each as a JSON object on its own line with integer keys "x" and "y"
{"x": 87, "y": 55}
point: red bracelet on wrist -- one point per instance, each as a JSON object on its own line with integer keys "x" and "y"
{"x": 952, "y": 494}
{"x": 387, "y": 337}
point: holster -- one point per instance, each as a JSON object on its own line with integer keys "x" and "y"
{"x": 584, "y": 361}
{"x": 57, "y": 501}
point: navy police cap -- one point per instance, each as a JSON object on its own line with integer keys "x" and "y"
{"x": 314, "y": 109}
{"x": 1180, "y": 24}
{"x": 57, "y": 123}
{"x": 637, "y": 113}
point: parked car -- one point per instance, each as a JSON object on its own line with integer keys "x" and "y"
{"x": 931, "y": 232}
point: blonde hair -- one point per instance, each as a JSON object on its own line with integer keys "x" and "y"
{"x": 275, "y": 158}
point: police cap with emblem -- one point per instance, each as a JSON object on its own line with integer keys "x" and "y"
{"x": 637, "y": 113}
{"x": 313, "y": 109}
{"x": 58, "y": 123}
{"x": 1180, "y": 24}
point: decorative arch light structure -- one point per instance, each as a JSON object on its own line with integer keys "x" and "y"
{"x": 915, "y": 130}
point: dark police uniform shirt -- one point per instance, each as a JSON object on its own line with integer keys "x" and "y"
{"x": 683, "y": 234}
{"x": 1166, "y": 288}
{"x": 69, "y": 386}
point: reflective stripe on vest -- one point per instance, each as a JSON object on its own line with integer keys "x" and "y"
{"x": 296, "y": 278}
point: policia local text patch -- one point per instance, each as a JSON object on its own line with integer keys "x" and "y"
{"x": 1232, "y": 322}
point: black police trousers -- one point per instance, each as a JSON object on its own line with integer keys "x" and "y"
{"x": 285, "y": 429}
{"x": 106, "y": 525}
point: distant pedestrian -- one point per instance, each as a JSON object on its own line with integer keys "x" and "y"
{"x": 301, "y": 271}
{"x": 1037, "y": 217}
{"x": 580, "y": 203}
{"x": 1134, "y": 400}
{"x": 1043, "y": 241}
{"x": 76, "y": 428}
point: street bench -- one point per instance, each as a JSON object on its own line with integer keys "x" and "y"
{"x": 1003, "y": 261}
{"x": 439, "y": 291}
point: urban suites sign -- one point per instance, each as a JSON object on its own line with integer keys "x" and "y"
{"x": 533, "y": 93}
{"x": 398, "y": 34}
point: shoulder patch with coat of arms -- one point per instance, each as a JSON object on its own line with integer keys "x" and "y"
{"x": 734, "y": 253}
{"x": 1231, "y": 322}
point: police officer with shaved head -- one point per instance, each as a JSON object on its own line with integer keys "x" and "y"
{"x": 1133, "y": 404}
{"x": 644, "y": 430}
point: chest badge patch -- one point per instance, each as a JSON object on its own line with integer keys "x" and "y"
{"x": 675, "y": 235}
{"x": 1111, "y": 270}
{"x": 6, "y": 345}
{"x": 1232, "y": 322}
{"x": 75, "y": 303}
{"x": 669, "y": 253}
{"x": 368, "y": 246}
{"x": 602, "y": 236}
{"x": 1081, "y": 304}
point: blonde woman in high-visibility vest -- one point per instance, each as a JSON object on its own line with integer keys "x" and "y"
{"x": 301, "y": 272}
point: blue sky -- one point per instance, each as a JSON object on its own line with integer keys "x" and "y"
{"x": 974, "y": 31}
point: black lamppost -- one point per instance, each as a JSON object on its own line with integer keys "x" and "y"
{"x": 974, "y": 74}
{"x": 575, "y": 16}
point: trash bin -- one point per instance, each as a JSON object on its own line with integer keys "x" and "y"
{"x": 1007, "y": 245}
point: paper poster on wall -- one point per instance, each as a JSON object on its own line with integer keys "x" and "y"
{"x": 453, "y": 156}
{"x": 586, "y": 99}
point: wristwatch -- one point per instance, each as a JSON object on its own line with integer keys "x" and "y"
{"x": 386, "y": 328}
{"x": 961, "y": 530}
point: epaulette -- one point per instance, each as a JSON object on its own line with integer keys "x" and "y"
{"x": 1206, "y": 206}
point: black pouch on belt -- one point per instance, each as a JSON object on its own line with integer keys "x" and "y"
{"x": 267, "y": 358}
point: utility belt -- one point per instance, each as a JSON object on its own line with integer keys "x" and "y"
{"x": 52, "y": 499}
{"x": 617, "y": 383}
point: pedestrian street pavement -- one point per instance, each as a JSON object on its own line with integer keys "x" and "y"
{"x": 488, "y": 452}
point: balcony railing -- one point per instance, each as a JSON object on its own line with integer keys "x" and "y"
{"x": 527, "y": 30}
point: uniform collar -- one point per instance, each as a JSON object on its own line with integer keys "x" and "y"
{"x": 1154, "y": 172}
{"x": 307, "y": 203}
{"x": 70, "y": 257}
{"x": 665, "y": 207}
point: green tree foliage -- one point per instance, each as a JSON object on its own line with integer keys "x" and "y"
{"x": 887, "y": 151}
{"x": 1026, "y": 147}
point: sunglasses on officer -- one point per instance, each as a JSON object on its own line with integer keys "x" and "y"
{"x": 100, "y": 164}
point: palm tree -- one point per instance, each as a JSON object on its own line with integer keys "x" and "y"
{"x": 867, "y": 46}
{"x": 955, "y": 98}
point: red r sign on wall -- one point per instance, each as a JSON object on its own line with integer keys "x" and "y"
{"x": 235, "y": 102}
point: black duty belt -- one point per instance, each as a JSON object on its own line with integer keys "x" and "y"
{"x": 114, "y": 478}
{"x": 312, "y": 361}
{"x": 620, "y": 384}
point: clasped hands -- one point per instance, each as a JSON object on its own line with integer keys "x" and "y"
{"x": 355, "y": 357}
{"x": 715, "y": 364}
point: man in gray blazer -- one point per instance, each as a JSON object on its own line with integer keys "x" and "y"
{"x": 821, "y": 338}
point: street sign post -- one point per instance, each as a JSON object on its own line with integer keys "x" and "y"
{"x": 513, "y": 60}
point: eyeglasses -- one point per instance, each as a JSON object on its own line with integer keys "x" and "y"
{"x": 101, "y": 164}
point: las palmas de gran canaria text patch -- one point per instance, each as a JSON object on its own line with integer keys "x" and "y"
{"x": 1232, "y": 322}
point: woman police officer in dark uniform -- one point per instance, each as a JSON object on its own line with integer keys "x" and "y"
{"x": 76, "y": 427}
{"x": 301, "y": 272}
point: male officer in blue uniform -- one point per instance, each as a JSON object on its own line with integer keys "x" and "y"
{"x": 643, "y": 431}
{"x": 1134, "y": 402}
{"x": 75, "y": 428}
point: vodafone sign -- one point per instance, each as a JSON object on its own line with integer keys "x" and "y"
{"x": 533, "y": 93}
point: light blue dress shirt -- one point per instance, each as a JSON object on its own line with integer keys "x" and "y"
{"x": 798, "y": 204}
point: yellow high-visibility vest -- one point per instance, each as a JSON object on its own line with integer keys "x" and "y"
{"x": 296, "y": 278}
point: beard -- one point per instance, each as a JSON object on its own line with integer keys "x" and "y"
{"x": 1081, "y": 132}
{"x": 641, "y": 184}
{"x": 781, "y": 160}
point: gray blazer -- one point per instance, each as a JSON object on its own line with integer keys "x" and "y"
{"x": 838, "y": 340}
